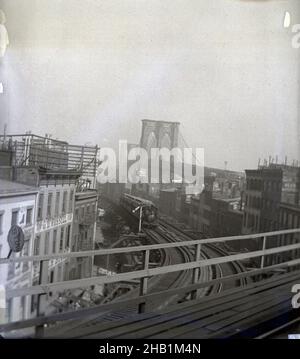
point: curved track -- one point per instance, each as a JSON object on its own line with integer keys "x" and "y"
{"x": 210, "y": 251}
{"x": 165, "y": 233}
{"x": 155, "y": 284}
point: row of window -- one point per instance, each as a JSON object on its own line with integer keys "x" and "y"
{"x": 263, "y": 185}
{"x": 251, "y": 221}
{"x": 82, "y": 242}
{"x": 10, "y": 308}
{"x": 259, "y": 203}
{"x": 289, "y": 220}
{"x": 88, "y": 209}
{"x": 50, "y": 247}
{"x": 26, "y": 219}
{"x": 53, "y": 204}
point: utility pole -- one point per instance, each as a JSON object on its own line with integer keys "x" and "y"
{"x": 140, "y": 219}
{"x": 140, "y": 216}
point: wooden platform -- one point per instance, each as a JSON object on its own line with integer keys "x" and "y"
{"x": 240, "y": 312}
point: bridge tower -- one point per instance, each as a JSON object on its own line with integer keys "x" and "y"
{"x": 159, "y": 134}
{"x": 156, "y": 134}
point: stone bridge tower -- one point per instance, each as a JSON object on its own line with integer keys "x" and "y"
{"x": 156, "y": 134}
{"x": 159, "y": 134}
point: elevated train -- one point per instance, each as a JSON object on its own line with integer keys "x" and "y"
{"x": 132, "y": 205}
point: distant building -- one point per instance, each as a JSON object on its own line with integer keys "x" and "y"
{"x": 172, "y": 203}
{"x": 215, "y": 215}
{"x": 199, "y": 214}
{"x": 272, "y": 202}
{"x": 226, "y": 217}
{"x": 289, "y": 217}
{"x": 17, "y": 207}
{"x": 262, "y": 199}
{"x": 200, "y": 208}
{"x": 266, "y": 189}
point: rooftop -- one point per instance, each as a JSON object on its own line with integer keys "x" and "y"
{"x": 50, "y": 154}
{"x": 9, "y": 188}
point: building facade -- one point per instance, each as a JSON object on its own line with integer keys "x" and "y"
{"x": 83, "y": 233}
{"x": 17, "y": 207}
{"x": 57, "y": 171}
{"x": 266, "y": 189}
{"x": 271, "y": 203}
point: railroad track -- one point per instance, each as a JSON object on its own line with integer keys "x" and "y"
{"x": 210, "y": 251}
{"x": 175, "y": 256}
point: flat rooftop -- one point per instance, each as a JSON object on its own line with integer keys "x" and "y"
{"x": 10, "y": 188}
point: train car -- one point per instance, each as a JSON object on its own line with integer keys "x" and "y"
{"x": 133, "y": 204}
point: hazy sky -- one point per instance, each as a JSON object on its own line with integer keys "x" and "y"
{"x": 89, "y": 70}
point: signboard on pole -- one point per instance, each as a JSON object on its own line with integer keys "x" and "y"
{"x": 16, "y": 239}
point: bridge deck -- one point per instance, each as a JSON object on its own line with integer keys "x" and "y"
{"x": 239, "y": 312}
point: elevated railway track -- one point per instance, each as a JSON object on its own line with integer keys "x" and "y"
{"x": 209, "y": 251}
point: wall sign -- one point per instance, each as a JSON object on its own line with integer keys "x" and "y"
{"x": 16, "y": 239}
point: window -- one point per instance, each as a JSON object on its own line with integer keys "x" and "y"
{"x": 40, "y": 207}
{"x": 37, "y": 245}
{"x": 57, "y": 200}
{"x": 75, "y": 239}
{"x": 46, "y": 249}
{"x": 1, "y": 222}
{"x": 59, "y": 271}
{"x": 23, "y": 307}
{"x": 29, "y": 216}
{"x": 71, "y": 201}
{"x": 61, "y": 242}
{"x": 11, "y": 269}
{"x": 9, "y": 309}
{"x": 68, "y": 236}
{"x": 14, "y": 217}
{"x": 49, "y": 205}
{"x": 25, "y": 253}
{"x": 34, "y": 301}
{"x": 54, "y": 241}
{"x": 64, "y": 204}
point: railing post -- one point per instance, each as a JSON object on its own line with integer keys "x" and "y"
{"x": 196, "y": 271}
{"x": 262, "y": 263}
{"x": 2, "y": 304}
{"x": 41, "y": 303}
{"x": 144, "y": 281}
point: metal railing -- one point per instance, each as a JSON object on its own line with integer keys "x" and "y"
{"x": 36, "y": 151}
{"x": 143, "y": 275}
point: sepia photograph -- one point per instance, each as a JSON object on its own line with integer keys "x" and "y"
{"x": 149, "y": 172}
